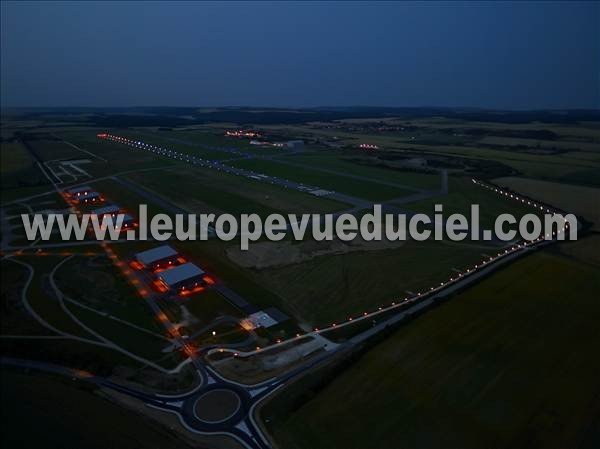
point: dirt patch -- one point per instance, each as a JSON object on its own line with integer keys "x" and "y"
{"x": 275, "y": 254}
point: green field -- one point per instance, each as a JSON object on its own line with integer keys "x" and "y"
{"x": 207, "y": 306}
{"x": 176, "y": 141}
{"x": 462, "y": 193}
{"x": 14, "y": 156}
{"x": 42, "y": 299}
{"x": 128, "y": 338}
{"x": 363, "y": 167}
{"x": 339, "y": 183}
{"x": 115, "y": 157}
{"x": 20, "y": 175}
{"x": 332, "y": 287}
{"x": 204, "y": 190}
{"x": 505, "y": 364}
{"x": 97, "y": 283}
{"x": 15, "y": 319}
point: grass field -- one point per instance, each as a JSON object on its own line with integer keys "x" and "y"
{"x": 14, "y": 156}
{"x": 183, "y": 188}
{"x": 505, "y": 364}
{"x": 42, "y": 299}
{"x": 128, "y": 338}
{"x": 462, "y": 193}
{"x": 362, "y": 189}
{"x": 112, "y": 158}
{"x": 129, "y": 201}
{"x": 580, "y": 200}
{"x": 209, "y": 305}
{"x": 431, "y": 137}
{"x": 340, "y": 163}
{"x": 57, "y": 408}
{"x": 331, "y": 288}
{"x": 204, "y": 190}
{"x": 20, "y": 175}
{"x": 15, "y": 319}
{"x": 97, "y": 283}
{"x": 176, "y": 141}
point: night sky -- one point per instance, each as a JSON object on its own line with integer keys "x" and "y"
{"x": 495, "y": 55}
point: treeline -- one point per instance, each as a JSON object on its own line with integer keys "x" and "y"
{"x": 181, "y": 116}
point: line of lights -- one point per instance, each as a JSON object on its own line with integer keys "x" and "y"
{"x": 433, "y": 290}
{"x": 207, "y": 163}
{"x": 484, "y": 263}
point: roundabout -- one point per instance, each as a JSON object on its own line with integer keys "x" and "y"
{"x": 217, "y": 406}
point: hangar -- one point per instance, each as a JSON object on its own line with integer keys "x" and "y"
{"x": 111, "y": 210}
{"x": 182, "y": 277}
{"x": 89, "y": 197}
{"x": 128, "y": 222}
{"x": 160, "y": 257}
{"x": 78, "y": 192}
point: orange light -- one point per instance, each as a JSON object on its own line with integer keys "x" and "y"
{"x": 188, "y": 292}
{"x": 136, "y": 265}
{"x": 209, "y": 280}
{"x": 160, "y": 286}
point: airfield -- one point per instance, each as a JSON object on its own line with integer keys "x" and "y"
{"x": 199, "y": 365}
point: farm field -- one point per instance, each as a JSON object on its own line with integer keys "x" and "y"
{"x": 462, "y": 193}
{"x": 494, "y": 367}
{"x": 14, "y": 156}
{"x": 20, "y": 175}
{"x": 330, "y": 288}
{"x": 83, "y": 415}
{"x": 580, "y": 200}
{"x": 576, "y": 146}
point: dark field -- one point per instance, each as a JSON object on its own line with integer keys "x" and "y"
{"x": 505, "y": 364}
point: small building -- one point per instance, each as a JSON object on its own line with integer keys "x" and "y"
{"x": 264, "y": 318}
{"x": 183, "y": 277}
{"x": 128, "y": 222}
{"x": 296, "y": 145}
{"x": 111, "y": 210}
{"x": 155, "y": 258}
{"x": 78, "y": 192}
{"x": 90, "y": 197}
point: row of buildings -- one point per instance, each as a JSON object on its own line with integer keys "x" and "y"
{"x": 171, "y": 270}
{"x": 85, "y": 195}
